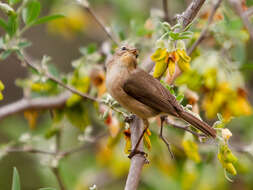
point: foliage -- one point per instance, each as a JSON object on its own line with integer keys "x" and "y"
{"x": 211, "y": 77}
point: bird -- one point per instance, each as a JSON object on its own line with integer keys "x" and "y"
{"x": 143, "y": 95}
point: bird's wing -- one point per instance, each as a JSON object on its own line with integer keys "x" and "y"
{"x": 148, "y": 90}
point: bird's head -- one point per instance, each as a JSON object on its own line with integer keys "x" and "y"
{"x": 125, "y": 56}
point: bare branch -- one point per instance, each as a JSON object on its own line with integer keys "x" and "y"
{"x": 184, "y": 127}
{"x": 86, "y": 6}
{"x": 58, "y": 177}
{"x": 29, "y": 62}
{"x": 191, "y": 12}
{"x": 205, "y": 30}
{"x": 244, "y": 17}
{"x": 30, "y": 150}
{"x": 137, "y": 160}
{"x": 165, "y": 10}
{"x": 34, "y": 104}
{"x": 249, "y": 12}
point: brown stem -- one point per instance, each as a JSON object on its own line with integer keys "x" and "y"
{"x": 244, "y": 17}
{"x": 191, "y": 12}
{"x": 138, "y": 160}
{"x": 165, "y": 10}
{"x": 58, "y": 177}
{"x": 27, "y": 61}
{"x": 205, "y": 30}
{"x": 34, "y": 104}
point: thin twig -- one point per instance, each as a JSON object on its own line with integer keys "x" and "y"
{"x": 30, "y": 150}
{"x": 51, "y": 77}
{"x": 58, "y": 177}
{"x": 244, "y": 17}
{"x": 191, "y": 12}
{"x": 87, "y": 7}
{"x": 184, "y": 127}
{"x": 205, "y": 30}
{"x": 165, "y": 10}
{"x": 249, "y": 12}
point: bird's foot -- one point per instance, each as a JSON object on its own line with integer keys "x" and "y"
{"x": 134, "y": 152}
{"x": 129, "y": 119}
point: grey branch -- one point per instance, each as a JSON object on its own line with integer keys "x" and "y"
{"x": 138, "y": 160}
{"x": 191, "y": 12}
{"x": 249, "y": 12}
{"x": 205, "y": 30}
{"x": 244, "y": 17}
{"x": 34, "y": 104}
{"x": 166, "y": 11}
{"x": 31, "y": 64}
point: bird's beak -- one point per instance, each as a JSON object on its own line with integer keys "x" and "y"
{"x": 135, "y": 52}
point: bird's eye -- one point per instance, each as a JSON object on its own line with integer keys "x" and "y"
{"x": 123, "y": 48}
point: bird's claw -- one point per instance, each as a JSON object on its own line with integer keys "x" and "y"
{"x": 134, "y": 152}
{"x": 129, "y": 119}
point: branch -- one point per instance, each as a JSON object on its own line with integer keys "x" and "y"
{"x": 58, "y": 177}
{"x": 184, "y": 127}
{"x": 165, "y": 10}
{"x": 249, "y": 12}
{"x": 29, "y": 150}
{"x": 86, "y": 6}
{"x": 28, "y": 62}
{"x": 137, "y": 161}
{"x": 34, "y": 104}
{"x": 191, "y": 12}
{"x": 244, "y": 17}
{"x": 205, "y": 30}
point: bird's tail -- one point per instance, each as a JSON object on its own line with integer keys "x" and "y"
{"x": 201, "y": 125}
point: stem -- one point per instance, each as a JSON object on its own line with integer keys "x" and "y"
{"x": 138, "y": 161}
{"x": 58, "y": 177}
{"x": 165, "y": 10}
{"x": 205, "y": 30}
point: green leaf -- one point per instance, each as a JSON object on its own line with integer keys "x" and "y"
{"x": 3, "y": 24}
{"x": 47, "y": 188}
{"x": 7, "y": 8}
{"x": 45, "y": 19}
{"x": 4, "y": 55}
{"x": 219, "y": 116}
{"x": 13, "y": 2}
{"x": 15, "y": 180}
{"x": 24, "y": 44}
{"x": 31, "y": 11}
{"x": 12, "y": 24}
{"x": 180, "y": 98}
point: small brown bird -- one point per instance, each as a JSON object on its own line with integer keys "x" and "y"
{"x": 143, "y": 95}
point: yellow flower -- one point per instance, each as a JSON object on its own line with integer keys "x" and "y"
{"x": 227, "y": 159}
{"x": 191, "y": 148}
{"x": 226, "y": 133}
{"x": 31, "y": 117}
{"x": 1, "y": 89}
{"x": 160, "y": 57}
{"x": 184, "y": 60}
{"x": 127, "y": 136}
{"x": 74, "y": 22}
{"x": 146, "y": 139}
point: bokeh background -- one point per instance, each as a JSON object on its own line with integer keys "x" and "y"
{"x": 107, "y": 167}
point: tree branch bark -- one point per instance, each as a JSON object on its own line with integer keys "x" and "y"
{"x": 205, "y": 30}
{"x": 244, "y": 17}
{"x": 138, "y": 160}
{"x": 34, "y": 104}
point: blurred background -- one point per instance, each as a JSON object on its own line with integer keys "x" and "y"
{"x": 107, "y": 166}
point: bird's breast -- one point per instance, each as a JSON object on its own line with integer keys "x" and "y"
{"x": 115, "y": 79}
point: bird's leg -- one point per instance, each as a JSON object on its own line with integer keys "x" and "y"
{"x": 129, "y": 118}
{"x": 162, "y": 137}
{"x": 135, "y": 150}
